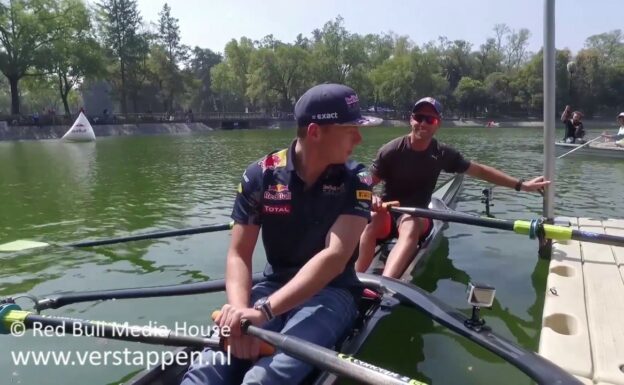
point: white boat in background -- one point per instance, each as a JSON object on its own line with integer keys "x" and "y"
{"x": 80, "y": 131}
{"x": 605, "y": 150}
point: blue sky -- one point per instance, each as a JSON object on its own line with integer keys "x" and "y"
{"x": 212, "y": 23}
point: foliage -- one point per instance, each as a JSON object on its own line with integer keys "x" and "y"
{"x": 148, "y": 69}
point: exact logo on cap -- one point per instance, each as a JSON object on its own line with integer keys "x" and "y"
{"x": 331, "y": 104}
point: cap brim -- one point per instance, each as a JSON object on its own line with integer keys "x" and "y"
{"x": 425, "y": 103}
{"x": 364, "y": 121}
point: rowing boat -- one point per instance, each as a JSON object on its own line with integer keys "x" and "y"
{"x": 444, "y": 198}
{"x": 604, "y": 150}
{"x": 383, "y": 296}
{"x": 380, "y": 297}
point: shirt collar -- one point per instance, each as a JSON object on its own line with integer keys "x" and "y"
{"x": 329, "y": 172}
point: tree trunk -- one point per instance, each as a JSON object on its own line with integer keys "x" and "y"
{"x": 64, "y": 93}
{"x": 15, "y": 101}
{"x": 124, "y": 106}
{"x": 65, "y": 103}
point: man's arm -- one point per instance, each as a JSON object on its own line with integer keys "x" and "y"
{"x": 565, "y": 114}
{"x": 340, "y": 243}
{"x": 238, "y": 264}
{"x": 492, "y": 175}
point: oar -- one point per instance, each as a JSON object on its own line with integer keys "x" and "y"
{"x": 56, "y": 302}
{"x": 340, "y": 364}
{"x": 530, "y": 228}
{"x": 15, "y": 321}
{"x": 26, "y": 245}
{"x": 579, "y": 147}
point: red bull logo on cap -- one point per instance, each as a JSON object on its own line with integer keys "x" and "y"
{"x": 352, "y": 99}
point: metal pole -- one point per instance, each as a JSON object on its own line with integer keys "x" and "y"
{"x": 549, "y": 117}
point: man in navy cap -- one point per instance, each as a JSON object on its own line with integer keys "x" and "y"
{"x": 410, "y": 166}
{"x": 312, "y": 204}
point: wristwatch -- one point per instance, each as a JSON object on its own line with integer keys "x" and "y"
{"x": 519, "y": 184}
{"x": 264, "y": 306}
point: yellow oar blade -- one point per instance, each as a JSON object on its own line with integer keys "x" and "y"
{"x": 22, "y": 245}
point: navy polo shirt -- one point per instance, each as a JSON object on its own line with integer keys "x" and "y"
{"x": 294, "y": 221}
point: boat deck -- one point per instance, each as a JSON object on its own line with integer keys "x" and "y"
{"x": 583, "y": 317}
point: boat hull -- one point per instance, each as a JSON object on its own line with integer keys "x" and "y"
{"x": 604, "y": 150}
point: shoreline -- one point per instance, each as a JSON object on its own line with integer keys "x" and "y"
{"x": 16, "y": 133}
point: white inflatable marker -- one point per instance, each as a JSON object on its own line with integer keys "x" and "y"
{"x": 80, "y": 131}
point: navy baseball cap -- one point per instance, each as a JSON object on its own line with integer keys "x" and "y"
{"x": 331, "y": 104}
{"x": 430, "y": 101}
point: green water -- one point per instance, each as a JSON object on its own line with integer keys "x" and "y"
{"x": 63, "y": 192}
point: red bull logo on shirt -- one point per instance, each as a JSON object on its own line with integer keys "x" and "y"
{"x": 329, "y": 189}
{"x": 272, "y": 161}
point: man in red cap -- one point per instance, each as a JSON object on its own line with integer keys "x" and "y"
{"x": 410, "y": 166}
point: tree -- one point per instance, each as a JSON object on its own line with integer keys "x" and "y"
{"x": 74, "y": 57}
{"x": 336, "y": 52}
{"x": 167, "y": 69}
{"x": 279, "y": 76}
{"x": 28, "y": 29}
{"x": 229, "y": 78}
{"x": 610, "y": 46}
{"x": 120, "y": 22}
{"x": 516, "y": 48}
{"x": 470, "y": 94}
{"x": 201, "y": 63}
{"x": 456, "y": 60}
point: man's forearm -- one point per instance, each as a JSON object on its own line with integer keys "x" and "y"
{"x": 311, "y": 278}
{"x": 492, "y": 175}
{"x": 238, "y": 281}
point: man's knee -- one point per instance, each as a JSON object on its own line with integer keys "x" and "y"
{"x": 379, "y": 226}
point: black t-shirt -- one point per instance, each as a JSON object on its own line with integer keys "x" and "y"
{"x": 571, "y": 129}
{"x": 294, "y": 221}
{"x": 410, "y": 176}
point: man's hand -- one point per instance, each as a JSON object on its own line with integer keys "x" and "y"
{"x": 243, "y": 346}
{"x": 377, "y": 204}
{"x": 535, "y": 184}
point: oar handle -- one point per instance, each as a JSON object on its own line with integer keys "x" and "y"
{"x": 387, "y": 205}
{"x": 266, "y": 349}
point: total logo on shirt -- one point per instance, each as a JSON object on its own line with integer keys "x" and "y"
{"x": 276, "y": 209}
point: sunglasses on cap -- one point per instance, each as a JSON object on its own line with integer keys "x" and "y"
{"x": 425, "y": 118}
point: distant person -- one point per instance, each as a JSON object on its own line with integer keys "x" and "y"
{"x": 619, "y": 137}
{"x": 575, "y": 132}
{"x": 410, "y": 166}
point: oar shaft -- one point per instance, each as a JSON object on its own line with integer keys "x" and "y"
{"x": 605, "y": 239}
{"x": 493, "y": 223}
{"x": 139, "y": 292}
{"x": 579, "y": 147}
{"x": 157, "y": 234}
{"x": 329, "y": 360}
{"x": 519, "y": 227}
